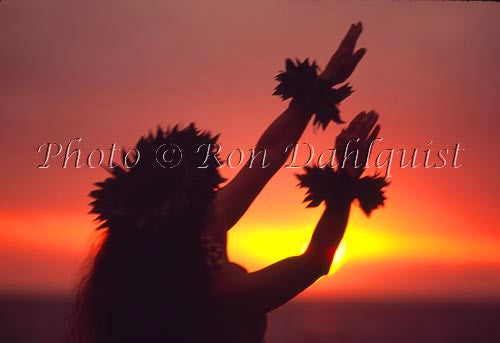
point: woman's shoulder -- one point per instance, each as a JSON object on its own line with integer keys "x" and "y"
{"x": 235, "y": 267}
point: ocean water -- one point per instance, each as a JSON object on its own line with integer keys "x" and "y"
{"x": 381, "y": 322}
{"x": 41, "y": 320}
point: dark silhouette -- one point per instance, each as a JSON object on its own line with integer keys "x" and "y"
{"x": 161, "y": 272}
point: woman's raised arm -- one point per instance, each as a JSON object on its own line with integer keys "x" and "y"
{"x": 233, "y": 200}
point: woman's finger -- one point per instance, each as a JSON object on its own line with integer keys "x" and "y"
{"x": 374, "y": 134}
{"x": 349, "y": 41}
{"x": 355, "y": 122}
{"x": 367, "y": 125}
{"x": 348, "y": 36}
{"x": 358, "y": 55}
{"x": 357, "y": 127}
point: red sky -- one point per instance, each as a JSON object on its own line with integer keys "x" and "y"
{"x": 110, "y": 71}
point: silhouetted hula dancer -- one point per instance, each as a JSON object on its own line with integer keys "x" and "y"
{"x": 161, "y": 272}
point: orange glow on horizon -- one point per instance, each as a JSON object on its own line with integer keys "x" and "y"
{"x": 253, "y": 247}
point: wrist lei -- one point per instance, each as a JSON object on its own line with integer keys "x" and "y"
{"x": 329, "y": 185}
{"x": 301, "y": 83}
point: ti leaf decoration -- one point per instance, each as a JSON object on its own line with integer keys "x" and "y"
{"x": 326, "y": 184}
{"x": 300, "y": 81}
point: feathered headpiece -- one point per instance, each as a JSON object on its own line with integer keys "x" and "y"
{"x": 300, "y": 82}
{"x": 151, "y": 192}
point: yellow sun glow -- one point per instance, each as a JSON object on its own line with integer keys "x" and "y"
{"x": 257, "y": 248}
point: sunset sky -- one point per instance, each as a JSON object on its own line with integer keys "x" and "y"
{"x": 108, "y": 71}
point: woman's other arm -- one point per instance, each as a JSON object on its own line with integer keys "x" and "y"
{"x": 273, "y": 286}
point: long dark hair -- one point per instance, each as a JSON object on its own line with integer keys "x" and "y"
{"x": 147, "y": 280}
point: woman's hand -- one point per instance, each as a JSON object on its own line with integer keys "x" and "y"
{"x": 358, "y": 135}
{"x": 344, "y": 60}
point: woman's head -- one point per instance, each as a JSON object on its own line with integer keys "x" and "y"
{"x": 168, "y": 179}
{"x": 147, "y": 280}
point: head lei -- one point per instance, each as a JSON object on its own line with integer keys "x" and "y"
{"x": 151, "y": 193}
